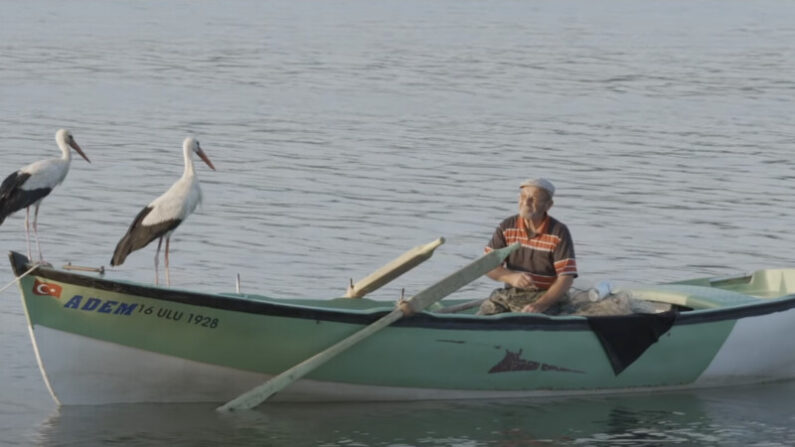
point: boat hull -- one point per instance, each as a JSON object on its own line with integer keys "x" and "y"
{"x": 101, "y": 341}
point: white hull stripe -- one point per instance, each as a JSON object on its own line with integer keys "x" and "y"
{"x": 750, "y": 351}
{"x": 86, "y": 371}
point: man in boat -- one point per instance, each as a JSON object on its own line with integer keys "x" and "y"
{"x": 539, "y": 274}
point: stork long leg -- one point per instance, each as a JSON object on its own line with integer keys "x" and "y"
{"x": 157, "y": 255}
{"x": 27, "y": 231}
{"x": 168, "y": 277}
{"x": 36, "y": 230}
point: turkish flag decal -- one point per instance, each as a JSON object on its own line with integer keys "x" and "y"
{"x": 43, "y": 288}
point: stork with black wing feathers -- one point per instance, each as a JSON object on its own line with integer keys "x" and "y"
{"x": 161, "y": 217}
{"x": 30, "y": 185}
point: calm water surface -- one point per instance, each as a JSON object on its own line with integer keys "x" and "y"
{"x": 347, "y": 132}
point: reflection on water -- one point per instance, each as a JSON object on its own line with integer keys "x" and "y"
{"x": 711, "y": 417}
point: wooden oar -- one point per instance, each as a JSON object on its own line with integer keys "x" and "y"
{"x": 418, "y": 302}
{"x": 393, "y": 269}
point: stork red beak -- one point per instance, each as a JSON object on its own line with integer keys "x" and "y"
{"x": 203, "y": 156}
{"x": 79, "y": 151}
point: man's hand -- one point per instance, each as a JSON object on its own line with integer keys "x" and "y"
{"x": 518, "y": 279}
{"x": 534, "y": 308}
{"x": 521, "y": 280}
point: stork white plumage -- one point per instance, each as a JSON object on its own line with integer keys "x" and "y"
{"x": 161, "y": 217}
{"x": 29, "y": 185}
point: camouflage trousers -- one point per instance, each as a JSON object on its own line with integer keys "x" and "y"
{"x": 514, "y": 300}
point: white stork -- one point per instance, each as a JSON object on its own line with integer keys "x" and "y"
{"x": 161, "y": 217}
{"x": 29, "y": 185}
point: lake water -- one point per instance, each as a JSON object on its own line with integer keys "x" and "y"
{"x": 345, "y": 133}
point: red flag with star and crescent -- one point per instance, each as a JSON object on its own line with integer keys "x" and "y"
{"x": 43, "y": 288}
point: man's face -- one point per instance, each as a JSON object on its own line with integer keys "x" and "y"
{"x": 533, "y": 202}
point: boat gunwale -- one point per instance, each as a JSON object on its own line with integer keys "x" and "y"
{"x": 427, "y": 320}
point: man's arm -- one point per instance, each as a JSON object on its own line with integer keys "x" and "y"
{"x": 553, "y": 294}
{"x": 520, "y": 280}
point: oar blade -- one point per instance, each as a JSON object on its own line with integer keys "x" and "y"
{"x": 393, "y": 269}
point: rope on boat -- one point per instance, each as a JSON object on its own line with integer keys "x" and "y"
{"x": 19, "y": 277}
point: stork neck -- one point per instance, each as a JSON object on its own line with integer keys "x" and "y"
{"x": 66, "y": 153}
{"x": 189, "y": 172}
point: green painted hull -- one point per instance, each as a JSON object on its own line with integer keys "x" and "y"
{"x": 103, "y": 341}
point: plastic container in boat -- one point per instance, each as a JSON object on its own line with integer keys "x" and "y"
{"x": 600, "y": 291}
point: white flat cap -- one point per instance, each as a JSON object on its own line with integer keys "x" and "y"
{"x": 540, "y": 183}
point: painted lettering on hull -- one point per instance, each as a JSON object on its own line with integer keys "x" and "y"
{"x": 100, "y": 305}
{"x": 112, "y": 307}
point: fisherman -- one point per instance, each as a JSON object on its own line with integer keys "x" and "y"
{"x": 539, "y": 274}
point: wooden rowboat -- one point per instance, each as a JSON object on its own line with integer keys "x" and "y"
{"x": 100, "y": 341}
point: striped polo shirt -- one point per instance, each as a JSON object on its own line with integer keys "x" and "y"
{"x": 544, "y": 255}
